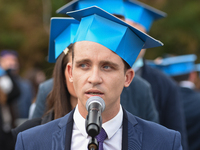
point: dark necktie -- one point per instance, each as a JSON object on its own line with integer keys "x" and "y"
{"x": 101, "y": 137}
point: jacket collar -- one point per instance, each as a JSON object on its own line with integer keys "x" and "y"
{"x": 61, "y": 139}
{"x": 131, "y": 133}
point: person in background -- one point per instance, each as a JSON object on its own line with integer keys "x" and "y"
{"x": 35, "y": 76}
{"x": 166, "y": 97}
{"x": 102, "y": 70}
{"x": 9, "y": 92}
{"x": 183, "y": 70}
{"x": 10, "y": 61}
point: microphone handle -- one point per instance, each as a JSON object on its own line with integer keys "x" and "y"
{"x": 94, "y": 120}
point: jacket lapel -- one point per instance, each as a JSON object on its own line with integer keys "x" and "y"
{"x": 131, "y": 135}
{"x": 61, "y": 139}
{"x": 69, "y": 130}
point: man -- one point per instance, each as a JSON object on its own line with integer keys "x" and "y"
{"x": 139, "y": 102}
{"x": 101, "y": 67}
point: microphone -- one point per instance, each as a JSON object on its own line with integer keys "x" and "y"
{"x": 95, "y": 106}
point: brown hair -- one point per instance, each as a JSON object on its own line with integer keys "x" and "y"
{"x": 58, "y": 99}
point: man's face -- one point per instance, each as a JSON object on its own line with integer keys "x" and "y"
{"x": 9, "y": 62}
{"x": 97, "y": 71}
{"x": 141, "y": 28}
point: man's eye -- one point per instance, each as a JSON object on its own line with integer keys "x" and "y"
{"x": 83, "y": 65}
{"x": 106, "y": 67}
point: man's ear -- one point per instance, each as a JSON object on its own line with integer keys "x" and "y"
{"x": 129, "y": 77}
{"x": 69, "y": 70}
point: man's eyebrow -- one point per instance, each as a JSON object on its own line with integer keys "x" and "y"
{"x": 106, "y": 62}
{"x": 110, "y": 63}
{"x": 82, "y": 61}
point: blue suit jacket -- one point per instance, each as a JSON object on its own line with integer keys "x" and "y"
{"x": 137, "y": 134}
{"x": 25, "y": 99}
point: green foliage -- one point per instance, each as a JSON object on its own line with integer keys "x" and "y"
{"x": 179, "y": 31}
{"x": 24, "y": 27}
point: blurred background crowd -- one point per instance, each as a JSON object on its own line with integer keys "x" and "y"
{"x": 24, "y": 37}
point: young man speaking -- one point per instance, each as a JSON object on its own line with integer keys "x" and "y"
{"x": 104, "y": 49}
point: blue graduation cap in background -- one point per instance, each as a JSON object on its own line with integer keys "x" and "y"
{"x": 197, "y": 67}
{"x": 99, "y": 26}
{"x": 2, "y": 72}
{"x": 142, "y": 14}
{"x": 175, "y": 65}
{"x": 62, "y": 32}
{"x": 133, "y": 10}
{"x": 111, "y": 6}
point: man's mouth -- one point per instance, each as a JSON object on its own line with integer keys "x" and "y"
{"x": 94, "y": 93}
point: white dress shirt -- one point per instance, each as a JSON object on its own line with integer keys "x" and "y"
{"x": 112, "y": 127}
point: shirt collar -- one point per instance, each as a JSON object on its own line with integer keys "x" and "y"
{"x": 79, "y": 122}
{"x": 111, "y": 126}
{"x": 187, "y": 84}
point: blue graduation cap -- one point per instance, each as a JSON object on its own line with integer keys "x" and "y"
{"x": 175, "y": 65}
{"x": 133, "y": 10}
{"x": 99, "y": 26}
{"x": 62, "y": 32}
{"x": 2, "y": 72}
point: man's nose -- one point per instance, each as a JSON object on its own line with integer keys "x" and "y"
{"x": 95, "y": 77}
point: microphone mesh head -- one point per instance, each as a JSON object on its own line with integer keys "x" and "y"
{"x": 95, "y": 99}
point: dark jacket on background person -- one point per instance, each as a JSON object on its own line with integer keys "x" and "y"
{"x": 26, "y": 97}
{"x": 43, "y": 91}
{"x": 142, "y": 103}
{"x": 191, "y": 103}
{"x": 167, "y": 100}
